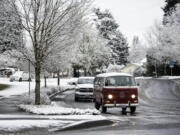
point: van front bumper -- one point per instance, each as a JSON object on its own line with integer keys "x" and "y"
{"x": 121, "y": 105}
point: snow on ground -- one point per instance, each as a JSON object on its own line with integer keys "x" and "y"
{"x": 18, "y": 125}
{"x": 19, "y": 88}
{"x": 48, "y": 119}
{"x": 159, "y": 77}
{"x": 54, "y": 109}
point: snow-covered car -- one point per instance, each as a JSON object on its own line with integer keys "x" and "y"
{"x": 84, "y": 88}
{"x": 20, "y": 76}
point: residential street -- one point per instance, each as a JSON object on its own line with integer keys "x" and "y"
{"x": 158, "y": 113}
{"x": 89, "y": 67}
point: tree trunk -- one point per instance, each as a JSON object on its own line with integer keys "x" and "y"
{"x": 85, "y": 72}
{"x": 38, "y": 83}
{"x": 58, "y": 81}
{"x": 45, "y": 81}
{"x": 165, "y": 69}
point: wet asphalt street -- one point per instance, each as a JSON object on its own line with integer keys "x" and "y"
{"x": 157, "y": 114}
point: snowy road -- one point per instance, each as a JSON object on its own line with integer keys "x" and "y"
{"x": 158, "y": 113}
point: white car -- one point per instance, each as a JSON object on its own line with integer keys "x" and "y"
{"x": 20, "y": 76}
{"x": 84, "y": 88}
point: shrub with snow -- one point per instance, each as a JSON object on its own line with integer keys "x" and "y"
{"x": 30, "y": 100}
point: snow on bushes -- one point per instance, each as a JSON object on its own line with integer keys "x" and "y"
{"x": 54, "y": 109}
{"x": 30, "y": 100}
{"x": 45, "y": 93}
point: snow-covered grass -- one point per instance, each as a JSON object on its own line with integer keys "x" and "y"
{"x": 19, "y": 125}
{"x": 159, "y": 77}
{"x": 53, "y": 117}
{"x": 54, "y": 109}
{"x": 19, "y": 88}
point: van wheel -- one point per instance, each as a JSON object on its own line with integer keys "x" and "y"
{"x": 103, "y": 109}
{"x": 20, "y": 79}
{"x": 76, "y": 99}
{"x": 124, "y": 111}
{"x": 132, "y": 109}
{"x": 97, "y": 106}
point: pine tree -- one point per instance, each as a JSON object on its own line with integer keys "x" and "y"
{"x": 10, "y": 27}
{"x": 169, "y": 8}
{"x": 108, "y": 29}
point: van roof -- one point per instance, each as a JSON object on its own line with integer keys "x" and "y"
{"x": 113, "y": 74}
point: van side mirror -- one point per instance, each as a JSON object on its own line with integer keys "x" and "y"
{"x": 138, "y": 84}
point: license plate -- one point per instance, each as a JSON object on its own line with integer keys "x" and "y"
{"x": 122, "y": 95}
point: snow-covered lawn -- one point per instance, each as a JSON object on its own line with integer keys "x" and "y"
{"x": 159, "y": 77}
{"x": 47, "y": 116}
{"x": 19, "y": 88}
{"x": 54, "y": 109}
{"x": 19, "y": 125}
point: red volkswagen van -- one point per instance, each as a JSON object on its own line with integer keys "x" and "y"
{"x": 115, "y": 90}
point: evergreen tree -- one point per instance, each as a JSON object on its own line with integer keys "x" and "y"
{"x": 137, "y": 51}
{"x": 169, "y": 8}
{"x": 108, "y": 29}
{"x": 10, "y": 27}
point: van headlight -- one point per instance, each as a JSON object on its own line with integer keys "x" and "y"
{"x": 110, "y": 96}
{"x": 133, "y": 96}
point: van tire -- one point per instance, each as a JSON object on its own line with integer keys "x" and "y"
{"x": 97, "y": 106}
{"x": 132, "y": 109}
{"x": 124, "y": 111}
{"x": 103, "y": 109}
{"x": 20, "y": 79}
{"x": 76, "y": 99}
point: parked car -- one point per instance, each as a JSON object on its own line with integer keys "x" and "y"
{"x": 20, "y": 76}
{"x": 115, "y": 90}
{"x": 84, "y": 88}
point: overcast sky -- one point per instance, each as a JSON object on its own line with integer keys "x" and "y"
{"x": 133, "y": 16}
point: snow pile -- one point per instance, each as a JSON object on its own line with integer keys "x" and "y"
{"x": 12, "y": 126}
{"x": 53, "y": 109}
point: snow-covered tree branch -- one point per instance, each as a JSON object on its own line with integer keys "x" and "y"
{"x": 49, "y": 24}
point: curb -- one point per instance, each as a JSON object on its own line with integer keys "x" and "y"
{"x": 83, "y": 125}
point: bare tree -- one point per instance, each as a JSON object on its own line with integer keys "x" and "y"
{"x": 48, "y": 24}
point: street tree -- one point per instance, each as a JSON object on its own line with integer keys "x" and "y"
{"x": 48, "y": 23}
{"x": 137, "y": 51}
{"x": 10, "y": 27}
{"x": 108, "y": 29}
{"x": 91, "y": 52}
{"x": 165, "y": 41}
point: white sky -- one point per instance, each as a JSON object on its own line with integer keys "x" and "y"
{"x": 133, "y": 16}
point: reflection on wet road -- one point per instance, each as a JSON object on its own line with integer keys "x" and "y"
{"x": 158, "y": 112}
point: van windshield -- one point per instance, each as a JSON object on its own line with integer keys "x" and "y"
{"x": 120, "y": 81}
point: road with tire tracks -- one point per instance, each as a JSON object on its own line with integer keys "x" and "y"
{"x": 158, "y": 112}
